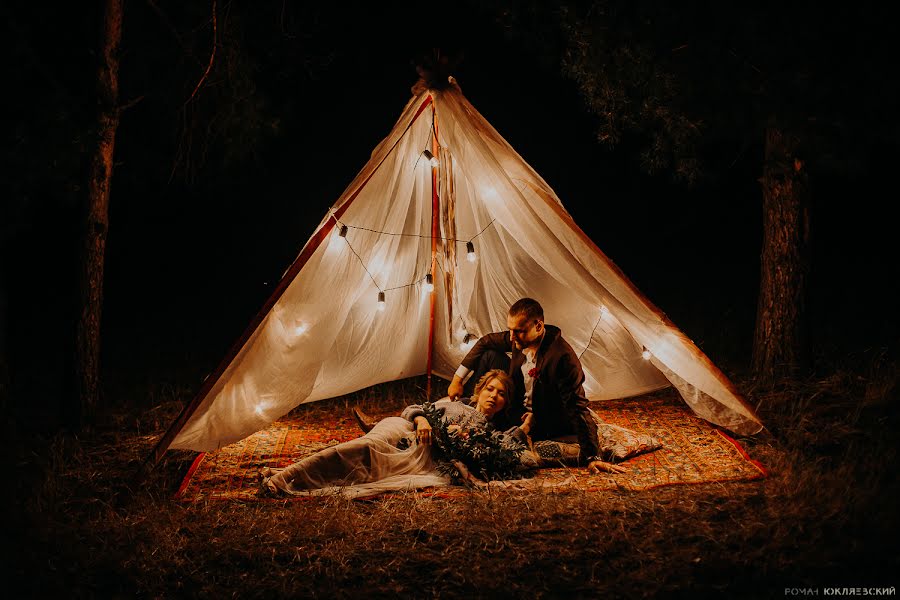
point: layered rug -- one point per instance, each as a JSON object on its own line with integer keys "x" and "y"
{"x": 693, "y": 451}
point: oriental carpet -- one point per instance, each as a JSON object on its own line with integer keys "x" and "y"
{"x": 693, "y": 451}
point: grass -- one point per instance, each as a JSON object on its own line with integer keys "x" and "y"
{"x": 826, "y": 516}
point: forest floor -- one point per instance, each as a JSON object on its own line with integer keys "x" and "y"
{"x": 826, "y": 517}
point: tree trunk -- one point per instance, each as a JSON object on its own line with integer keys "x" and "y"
{"x": 87, "y": 359}
{"x": 780, "y": 340}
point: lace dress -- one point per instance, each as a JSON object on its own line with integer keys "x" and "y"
{"x": 387, "y": 458}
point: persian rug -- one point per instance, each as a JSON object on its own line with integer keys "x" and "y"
{"x": 693, "y": 452}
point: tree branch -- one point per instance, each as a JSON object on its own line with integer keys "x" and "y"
{"x": 212, "y": 56}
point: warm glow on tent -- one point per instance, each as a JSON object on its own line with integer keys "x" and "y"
{"x": 604, "y": 313}
{"x": 300, "y": 329}
{"x": 263, "y": 405}
{"x": 646, "y": 354}
{"x": 489, "y": 194}
{"x": 379, "y": 267}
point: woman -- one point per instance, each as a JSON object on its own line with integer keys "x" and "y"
{"x": 397, "y": 453}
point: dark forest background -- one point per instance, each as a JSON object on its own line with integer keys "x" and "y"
{"x": 215, "y": 193}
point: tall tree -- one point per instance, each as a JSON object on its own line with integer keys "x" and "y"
{"x": 96, "y": 222}
{"x": 680, "y": 83}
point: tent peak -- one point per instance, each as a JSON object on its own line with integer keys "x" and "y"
{"x": 434, "y": 71}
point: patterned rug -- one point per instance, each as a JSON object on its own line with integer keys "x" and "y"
{"x": 693, "y": 452}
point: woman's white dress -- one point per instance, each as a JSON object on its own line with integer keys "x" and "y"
{"x": 377, "y": 462}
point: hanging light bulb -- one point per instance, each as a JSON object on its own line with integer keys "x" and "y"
{"x": 430, "y": 158}
{"x": 381, "y": 301}
{"x": 646, "y": 354}
{"x": 467, "y": 342}
{"x": 300, "y": 329}
{"x": 470, "y": 251}
{"x": 429, "y": 283}
{"x": 343, "y": 231}
{"x": 604, "y": 312}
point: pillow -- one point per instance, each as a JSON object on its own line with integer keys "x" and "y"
{"x": 617, "y": 443}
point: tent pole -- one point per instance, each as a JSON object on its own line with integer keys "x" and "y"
{"x": 435, "y": 233}
{"x": 311, "y": 246}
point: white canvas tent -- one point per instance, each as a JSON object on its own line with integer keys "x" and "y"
{"x": 407, "y": 215}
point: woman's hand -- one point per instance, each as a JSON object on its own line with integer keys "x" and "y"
{"x": 457, "y": 430}
{"x": 598, "y": 466}
{"x": 527, "y": 418}
{"x": 466, "y": 475}
{"x": 423, "y": 431}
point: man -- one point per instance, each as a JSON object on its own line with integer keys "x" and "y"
{"x": 548, "y": 379}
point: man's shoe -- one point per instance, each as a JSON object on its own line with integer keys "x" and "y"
{"x": 363, "y": 420}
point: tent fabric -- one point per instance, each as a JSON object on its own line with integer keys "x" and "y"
{"x": 324, "y": 336}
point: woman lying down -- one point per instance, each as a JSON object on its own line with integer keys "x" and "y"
{"x": 427, "y": 445}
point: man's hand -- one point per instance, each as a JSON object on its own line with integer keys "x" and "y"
{"x": 527, "y": 418}
{"x": 423, "y": 431}
{"x": 455, "y": 390}
{"x": 598, "y": 466}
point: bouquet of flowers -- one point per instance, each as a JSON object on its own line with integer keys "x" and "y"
{"x": 485, "y": 453}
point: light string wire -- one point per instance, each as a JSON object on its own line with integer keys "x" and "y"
{"x": 591, "y": 339}
{"x": 443, "y": 239}
{"x": 417, "y": 279}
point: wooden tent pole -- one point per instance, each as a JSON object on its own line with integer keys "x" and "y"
{"x": 435, "y": 233}
{"x": 311, "y": 246}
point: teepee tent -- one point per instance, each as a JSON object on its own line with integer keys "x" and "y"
{"x": 386, "y": 288}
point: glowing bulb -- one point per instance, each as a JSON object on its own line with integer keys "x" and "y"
{"x": 259, "y": 409}
{"x": 343, "y": 231}
{"x": 470, "y": 251}
{"x": 429, "y": 283}
{"x": 604, "y": 312}
{"x": 381, "y": 302}
{"x": 490, "y": 194}
{"x": 431, "y": 158}
{"x": 300, "y": 329}
{"x": 646, "y": 354}
{"x": 467, "y": 342}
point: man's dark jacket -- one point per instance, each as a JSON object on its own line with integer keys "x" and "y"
{"x": 557, "y": 398}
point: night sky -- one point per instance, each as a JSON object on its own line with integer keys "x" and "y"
{"x": 189, "y": 262}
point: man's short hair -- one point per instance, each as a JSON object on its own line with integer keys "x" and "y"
{"x": 528, "y": 308}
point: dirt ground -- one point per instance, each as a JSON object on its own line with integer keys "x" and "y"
{"x": 826, "y": 517}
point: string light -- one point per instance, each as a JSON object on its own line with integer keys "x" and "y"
{"x": 604, "y": 312}
{"x": 379, "y": 266}
{"x": 430, "y": 158}
{"x": 646, "y": 353}
{"x": 300, "y": 329}
{"x": 467, "y": 342}
{"x": 263, "y": 405}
